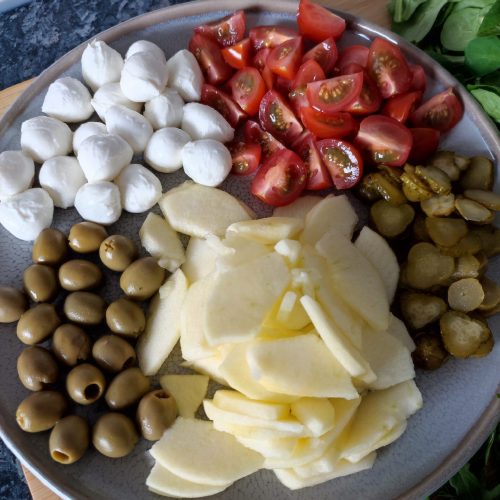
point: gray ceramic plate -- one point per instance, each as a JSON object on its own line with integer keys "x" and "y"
{"x": 460, "y": 407}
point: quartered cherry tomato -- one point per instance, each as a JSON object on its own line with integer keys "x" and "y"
{"x": 210, "y": 59}
{"x": 369, "y": 100}
{"x": 318, "y": 176}
{"x": 425, "y": 144}
{"x": 384, "y": 140}
{"x": 238, "y": 55}
{"x": 388, "y": 67}
{"x": 270, "y": 36}
{"x": 227, "y": 31}
{"x": 254, "y": 133}
{"x": 442, "y": 112}
{"x": 276, "y": 117}
{"x": 247, "y": 88}
{"x": 335, "y": 94}
{"x": 281, "y": 179}
{"x": 357, "y": 54}
{"x": 401, "y": 106}
{"x": 282, "y": 85}
{"x": 325, "y": 54}
{"x": 223, "y": 103}
{"x": 317, "y": 23}
{"x": 309, "y": 71}
{"x": 284, "y": 59}
{"x": 418, "y": 78}
{"x": 259, "y": 62}
{"x": 343, "y": 161}
{"x": 245, "y": 157}
{"x": 332, "y": 125}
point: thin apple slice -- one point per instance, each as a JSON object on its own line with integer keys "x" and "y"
{"x": 325, "y": 464}
{"x": 271, "y": 448}
{"x": 187, "y": 390}
{"x": 268, "y": 230}
{"x": 399, "y": 331}
{"x": 317, "y": 414}
{"x": 241, "y": 251}
{"x": 255, "y": 433}
{"x": 286, "y": 314}
{"x": 209, "y": 366}
{"x": 298, "y": 208}
{"x": 200, "y": 259}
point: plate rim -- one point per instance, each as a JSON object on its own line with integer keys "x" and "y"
{"x": 477, "y": 434}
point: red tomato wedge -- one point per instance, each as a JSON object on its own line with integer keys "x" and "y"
{"x": 442, "y": 112}
{"x": 343, "y": 161}
{"x": 388, "y": 67}
{"x": 325, "y": 126}
{"x": 425, "y": 144}
{"x": 270, "y": 36}
{"x": 245, "y": 157}
{"x": 248, "y": 88}
{"x": 325, "y": 54}
{"x": 384, "y": 140}
{"x": 227, "y": 31}
{"x": 335, "y": 94}
{"x": 238, "y": 55}
{"x": 276, "y": 117}
{"x": 369, "y": 100}
{"x": 260, "y": 59}
{"x": 309, "y": 71}
{"x": 418, "y": 78}
{"x": 223, "y": 103}
{"x": 210, "y": 59}
{"x": 282, "y": 85}
{"x": 284, "y": 60}
{"x": 357, "y": 54}
{"x": 281, "y": 179}
{"x": 317, "y": 23}
{"x": 400, "y": 107}
{"x": 318, "y": 176}
{"x": 254, "y": 133}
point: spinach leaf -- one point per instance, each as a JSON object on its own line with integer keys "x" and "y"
{"x": 478, "y": 4}
{"x": 461, "y": 27}
{"x": 492, "y": 79}
{"x": 491, "y": 23}
{"x": 482, "y": 55}
{"x": 466, "y": 484}
{"x": 402, "y": 10}
{"x": 489, "y": 100}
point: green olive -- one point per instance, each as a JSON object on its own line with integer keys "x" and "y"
{"x": 156, "y": 412}
{"x": 113, "y": 353}
{"x": 69, "y": 439}
{"x": 429, "y": 353}
{"x": 40, "y": 283}
{"x": 127, "y": 388}
{"x": 114, "y": 435}
{"x": 70, "y": 344}
{"x": 40, "y": 411}
{"x": 36, "y": 324}
{"x": 85, "y": 384}
{"x": 36, "y": 368}
{"x": 79, "y": 274}
{"x": 117, "y": 252}
{"x": 142, "y": 279}
{"x": 50, "y": 248}
{"x": 125, "y": 318}
{"x": 86, "y": 237}
{"x": 13, "y": 304}
{"x": 84, "y": 308}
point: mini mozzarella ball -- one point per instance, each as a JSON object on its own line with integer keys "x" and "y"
{"x": 27, "y": 214}
{"x": 86, "y": 130}
{"x": 140, "y": 189}
{"x": 207, "y": 162}
{"x": 16, "y": 173}
{"x": 145, "y": 46}
{"x": 68, "y": 100}
{"x": 165, "y": 110}
{"x": 185, "y": 75}
{"x": 99, "y": 202}
{"x": 103, "y": 156}
{"x": 101, "y": 64}
{"x": 203, "y": 122}
{"x": 109, "y": 95}
{"x": 144, "y": 77}
{"x": 62, "y": 177}
{"x": 44, "y": 137}
{"x": 129, "y": 125}
{"x": 164, "y": 149}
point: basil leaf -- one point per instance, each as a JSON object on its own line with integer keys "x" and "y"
{"x": 482, "y": 55}
{"x": 461, "y": 27}
{"x": 490, "y": 101}
{"x": 491, "y": 23}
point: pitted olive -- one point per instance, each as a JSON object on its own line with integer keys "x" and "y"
{"x": 86, "y": 237}
{"x": 69, "y": 439}
{"x": 79, "y": 274}
{"x": 70, "y": 344}
{"x": 50, "y": 248}
{"x": 142, "y": 279}
{"x": 40, "y": 282}
{"x": 36, "y": 368}
{"x": 85, "y": 384}
{"x": 156, "y": 412}
{"x": 13, "y": 304}
{"x": 117, "y": 252}
{"x": 84, "y": 308}
{"x": 114, "y": 435}
{"x": 40, "y": 411}
{"x": 127, "y": 388}
{"x": 125, "y": 318}
{"x": 36, "y": 324}
{"x": 113, "y": 353}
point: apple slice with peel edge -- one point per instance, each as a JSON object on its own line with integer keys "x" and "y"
{"x": 298, "y": 208}
{"x": 187, "y": 390}
{"x": 268, "y": 230}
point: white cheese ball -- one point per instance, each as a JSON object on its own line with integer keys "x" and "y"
{"x": 16, "y": 173}
{"x": 164, "y": 149}
{"x": 145, "y": 46}
{"x": 27, "y": 214}
{"x": 185, "y": 75}
{"x": 103, "y": 156}
{"x": 129, "y": 125}
{"x": 203, "y": 122}
{"x": 207, "y": 162}
{"x": 140, "y": 189}
{"x": 165, "y": 110}
{"x": 109, "y": 95}
{"x": 44, "y": 137}
{"x": 86, "y": 130}
{"x": 144, "y": 77}
{"x": 62, "y": 177}
{"x": 99, "y": 202}
{"x": 68, "y": 100}
{"x": 101, "y": 64}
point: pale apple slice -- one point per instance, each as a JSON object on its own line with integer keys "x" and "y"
{"x": 345, "y": 409}
{"x": 195, "y": 451}
{"x": 317, "y": 414}
{"x": 200, "y": 259}
{"x": 163, "y": 324}
{"x": 287, "y": 314}
{"x": 255, "y": 433}
{"x": 290, "y": 249}
{"x": 325, "y": 464}
{"x": 163, "y": 482}
{"x": 198, "y": 210}
{"x": 299, "y": 366}
{"x": 298, "y": 208}
{"x": 271, "y": 448}
{"x": 187, "y": 390}
{"x": 209, "y": 366}
{"x": 241, "y": 251}
{"x": 399, "y": 331}
{"x": 268, "y": 230}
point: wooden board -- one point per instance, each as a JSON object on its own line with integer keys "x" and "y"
{"x": 371, "y": 10}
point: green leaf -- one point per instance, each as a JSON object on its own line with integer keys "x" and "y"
{"x": 482, "y": 55}
{"x": 402, "y": 10}
{"x": 466, "y": 484}
{"x": 489, "y": 100}
{"x": 461, "y": 27}
{"x": 491, "y": 23}
{"x": 478, "y": 4}
{"x": 489, "y": 446}
{"x": 493, "y": 494}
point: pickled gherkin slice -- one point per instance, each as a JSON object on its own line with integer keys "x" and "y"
{"x": 491, "y": 295}
{"x": 421, "y": 309}
{"x": 429, "y": 353}
{"x": 381, "y": 184}
{"x": 465, "y": 295}
{"x": 446, "y": 232}
{"x": 391, "y": 220}
{"x": 439, "y": 206}
{"x": 479, "y": 174}
{"x": 413, "y": 187}
{"x": 436, "y": 179}
{"x": 426, "y": 267}
{"x": 470, "y": 244}
{"x": 473, "y": 211}
{"x": 489, "y": 199}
